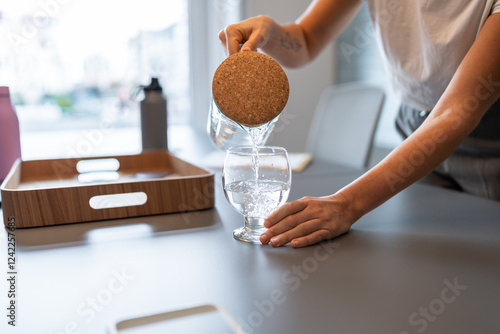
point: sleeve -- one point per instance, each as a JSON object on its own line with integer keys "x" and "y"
{"x": 495, "y": 8}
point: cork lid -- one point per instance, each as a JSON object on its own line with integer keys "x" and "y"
{"x": 250, "y": 88}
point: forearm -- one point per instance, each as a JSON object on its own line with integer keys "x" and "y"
{"x": 311, "y": 219}
{"x": 296, "y": 44}
{"x": 473, "y": 89}
{"x": 417, "y": 156}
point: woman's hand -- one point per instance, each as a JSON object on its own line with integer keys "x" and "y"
{"x": 294, "y": 44}
{"x": 308, "y": 220}
{"x": 253, "y": 33}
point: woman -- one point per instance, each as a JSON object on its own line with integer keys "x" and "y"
{"x": 443, "y": 58}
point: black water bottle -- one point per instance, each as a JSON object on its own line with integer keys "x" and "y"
{"x": 154, "y": 117}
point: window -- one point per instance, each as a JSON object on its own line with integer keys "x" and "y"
{"x": 73, "y": 68}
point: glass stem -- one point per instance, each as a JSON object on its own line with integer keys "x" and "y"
{"x": 254, "y": 225}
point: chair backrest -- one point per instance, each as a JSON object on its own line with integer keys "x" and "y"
{"x": 344, "y": 124}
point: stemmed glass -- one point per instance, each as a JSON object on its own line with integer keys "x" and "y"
{"x": 256, "y": 182}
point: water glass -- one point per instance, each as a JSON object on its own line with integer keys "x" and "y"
{"x": 256, "y": 182}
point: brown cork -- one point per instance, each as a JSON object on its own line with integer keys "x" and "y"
{"x": 250, "y": 88}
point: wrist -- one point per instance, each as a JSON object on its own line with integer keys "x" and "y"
{"x": 352, "y": 208}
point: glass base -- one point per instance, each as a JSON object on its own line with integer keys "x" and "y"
{"x": 251, "y": 232}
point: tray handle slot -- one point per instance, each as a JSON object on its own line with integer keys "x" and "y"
{"x": 98, "y": 165}
{"x": 118, "y": 200}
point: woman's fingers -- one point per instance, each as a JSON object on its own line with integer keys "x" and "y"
{"x": 250, "y": 34}
{"x": 286, "y": 210}
{"x": 250, "y": 45}
{"x": 222, "y": 38}
{"x": 306, "y": 221}
{"x": 311, "y": 239}
{"x": 287, "y": 217}
{"x": 231, "y": 39}
{"x": 301, "y": 229}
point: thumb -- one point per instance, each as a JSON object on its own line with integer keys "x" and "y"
{"x": 249, "y": 46}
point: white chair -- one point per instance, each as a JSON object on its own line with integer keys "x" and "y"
{"x": 344, "y": 123}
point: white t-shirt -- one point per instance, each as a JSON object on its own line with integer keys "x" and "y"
{"x": 424, "y": 42}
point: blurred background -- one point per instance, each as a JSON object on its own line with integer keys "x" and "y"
{"x": 74, "y": 68}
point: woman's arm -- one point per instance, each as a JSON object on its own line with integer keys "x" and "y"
{"x": 473, "y": 89}
{"x": 294, "y": 44}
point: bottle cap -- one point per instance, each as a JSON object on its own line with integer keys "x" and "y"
{"x": 153, "y": 86}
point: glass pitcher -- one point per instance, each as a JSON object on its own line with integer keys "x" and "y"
{"x": 227, "y": 133}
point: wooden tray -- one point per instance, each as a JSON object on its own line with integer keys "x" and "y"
{"x": 62, "y": 191}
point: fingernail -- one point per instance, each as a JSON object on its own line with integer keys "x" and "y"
{"x": 264, "y": 238}
{"x": 275, "y": 242}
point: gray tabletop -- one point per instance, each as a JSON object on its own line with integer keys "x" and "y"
{"x": 427, "y": 261}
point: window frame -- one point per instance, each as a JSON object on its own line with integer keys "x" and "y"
{"x": 206, "y": 19}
